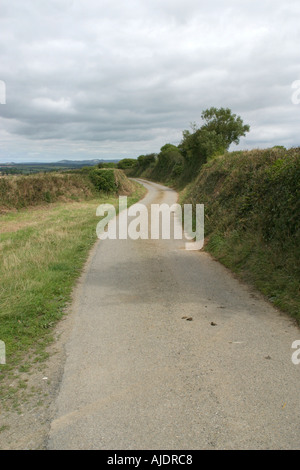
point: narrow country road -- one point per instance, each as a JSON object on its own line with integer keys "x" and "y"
{"x": 169, "y": 351}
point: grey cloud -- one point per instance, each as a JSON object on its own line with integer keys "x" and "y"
{"x": 137, "y": 73}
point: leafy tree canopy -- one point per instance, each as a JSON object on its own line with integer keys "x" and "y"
{"x": 127, "y": 163}
{"x": 220, "y": 129}
{"x": 228, "y": 126}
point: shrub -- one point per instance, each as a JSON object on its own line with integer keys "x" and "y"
{"x": 103, "y": 180}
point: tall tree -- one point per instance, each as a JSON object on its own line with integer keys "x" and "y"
{"x": 220, "y": 129}
{"x": 228, "y": 126}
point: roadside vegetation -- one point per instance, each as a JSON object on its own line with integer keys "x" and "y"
{"x": 252, "y": 201}
{"x": 42, "y": 253}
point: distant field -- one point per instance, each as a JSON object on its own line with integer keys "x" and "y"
{"x": 42, "y": 252}
{"x": 31, "y": 168}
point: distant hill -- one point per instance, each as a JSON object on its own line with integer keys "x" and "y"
{"x": 28, "y": 168}
{"x": 84, "y": 162}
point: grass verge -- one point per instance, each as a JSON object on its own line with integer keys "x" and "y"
{"x": 42, "y": 252}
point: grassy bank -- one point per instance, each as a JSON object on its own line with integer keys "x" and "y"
{"x": 42, "y": 252}
{"x": 252, "y": 219}
{"x": 17, "y": 192}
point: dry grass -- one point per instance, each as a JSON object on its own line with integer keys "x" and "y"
{"x": 23, "y": 191}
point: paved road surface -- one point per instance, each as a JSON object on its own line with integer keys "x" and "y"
{"x": 140, "y": 376}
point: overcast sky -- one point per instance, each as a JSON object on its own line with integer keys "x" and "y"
{"x": 111, "y": 79}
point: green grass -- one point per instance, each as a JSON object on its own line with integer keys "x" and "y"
{"x": 42, "y": 252}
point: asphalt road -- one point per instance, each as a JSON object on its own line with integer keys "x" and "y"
{"x": 169, "y": 351}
